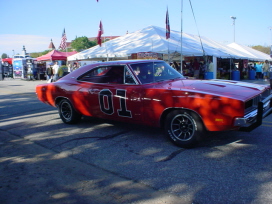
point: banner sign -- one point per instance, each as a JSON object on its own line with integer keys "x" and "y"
{"x": 149, "y": 55}
{"x": 18, "y": 68}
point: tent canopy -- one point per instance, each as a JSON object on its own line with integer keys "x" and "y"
{"x": 152, "y": 39}
{"x": 251, "y": 53}
{"x": 55, "y": 55}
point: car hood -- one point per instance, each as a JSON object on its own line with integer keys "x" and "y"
{"x": 227, "y": 88}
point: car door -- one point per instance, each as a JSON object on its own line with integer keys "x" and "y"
{"x": 112, "y": 92}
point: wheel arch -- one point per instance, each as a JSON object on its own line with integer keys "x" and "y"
{"x": 59, "y": 98}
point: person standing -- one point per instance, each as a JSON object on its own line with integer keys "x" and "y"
{"x": 196, "y": 68}
{"x": 49, "y": 71}
{"x": 258, "y": 68}
{"x": 69, "y": 67}
{"x": 270, "y": 74}
{"x": 55, "y": 71}
{"x": 74, "y": 67}
{"x": 265, "y": 70}
{"x": 210, "y": 68}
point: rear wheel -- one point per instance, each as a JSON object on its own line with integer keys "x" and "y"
{"x": 183, "y": 128}
{"x": 67, "y": 112}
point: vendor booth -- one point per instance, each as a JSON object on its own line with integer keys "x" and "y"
{"x": 44, "y": 60}
{"x": 55, "y": 55}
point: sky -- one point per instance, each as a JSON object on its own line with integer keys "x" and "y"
{"x": 33, "y": 23}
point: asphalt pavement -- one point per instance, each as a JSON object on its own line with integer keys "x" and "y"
{"x": 32, "y": 173}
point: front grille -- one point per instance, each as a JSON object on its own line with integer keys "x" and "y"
{"x": 252, "y": 104}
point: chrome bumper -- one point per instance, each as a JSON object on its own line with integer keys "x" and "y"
{"x": 254, "y": 119}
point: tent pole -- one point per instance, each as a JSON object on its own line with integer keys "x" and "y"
{"x": 181, "y": 39}
{"x": 230, "y": 70}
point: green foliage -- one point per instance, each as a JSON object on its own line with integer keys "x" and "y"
{"x": 263, "y": 49}
{"x": 68, "y": 50}
{"x": 35, "y": 54}
{"x": 4, "y": 55}
{"x": 45, "y": 52}
{"x": 38, "y": 54}
{"x": 82, "y": 43}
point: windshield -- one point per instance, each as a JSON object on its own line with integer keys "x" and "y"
{"x": 155, "y": 71}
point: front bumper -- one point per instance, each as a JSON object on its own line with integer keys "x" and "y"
{"x": 254, "y": 119}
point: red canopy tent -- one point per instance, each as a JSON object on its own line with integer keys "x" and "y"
{"x": 55, "y": 55}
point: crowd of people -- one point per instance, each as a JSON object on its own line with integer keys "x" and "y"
{"x": 194, "y": 68}
{"x": 55, "y": 72}
{"x": 263, "y": 70}
{"x": 197, "y": 69}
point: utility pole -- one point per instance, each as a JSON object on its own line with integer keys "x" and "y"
{"x": 233, "y": 23}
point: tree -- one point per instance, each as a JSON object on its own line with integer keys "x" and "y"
{"x": 38, "y": 54}
{"x": 82, "y": 43}
{"x": 263, "y": 49}
{"x": 4, "y": 55}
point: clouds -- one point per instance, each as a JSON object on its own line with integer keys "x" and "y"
{"x": 32, "y": 43}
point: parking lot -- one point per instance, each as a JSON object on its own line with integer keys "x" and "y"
{"x": 46, "y": 161}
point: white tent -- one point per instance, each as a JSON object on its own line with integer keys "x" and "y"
{"x": 251, "y": 53}
{"x": 152, "y": 39}
{"x": 219, "y": 49}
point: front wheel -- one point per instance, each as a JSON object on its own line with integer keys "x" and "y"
{"x": 183, "y": 128}
{"x": 67, "y": 112}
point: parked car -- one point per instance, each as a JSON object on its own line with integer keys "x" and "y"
{"x": 152, "y": 93}
{"x": 7, "y": 62}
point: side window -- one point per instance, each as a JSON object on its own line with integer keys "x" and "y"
{"x": 110, "y": 75}
{"x": 115, "y": 75}
{"x": 144, "y": 72}
{"x": 96, "y": 75}
{"x": 129, "y": 79}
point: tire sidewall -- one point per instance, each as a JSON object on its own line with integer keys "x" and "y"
{"x": 198, "y": 128}
{"x": 74, "y": 118}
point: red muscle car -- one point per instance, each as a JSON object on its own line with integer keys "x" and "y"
{"x": 150, "y": 92}
{"x": 7, "y": 61}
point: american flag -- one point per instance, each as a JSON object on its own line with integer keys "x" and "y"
{"x": 63, "y": 44}
{"x": 167, "y": 25}
{"x": 100, "y": 32}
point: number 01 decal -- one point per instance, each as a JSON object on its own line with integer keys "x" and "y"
{"x": 106, "y": 102}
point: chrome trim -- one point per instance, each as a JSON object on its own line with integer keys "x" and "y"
{"x": 253, "y": 119}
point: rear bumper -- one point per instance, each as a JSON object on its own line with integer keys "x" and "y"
{"x": 254, "y": 119}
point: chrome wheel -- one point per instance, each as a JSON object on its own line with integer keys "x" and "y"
{"x": 182, "y": 127}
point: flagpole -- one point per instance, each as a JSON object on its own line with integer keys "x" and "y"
{"x": 167, "y": 32}
{"x": 181, "y": 56}
{"x": 168, "y": 53}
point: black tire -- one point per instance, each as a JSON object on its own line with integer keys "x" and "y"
{"x": 183, "y": 128}
{"x": 67, "y": 113}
